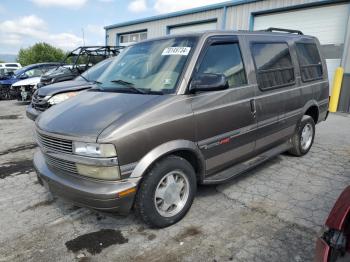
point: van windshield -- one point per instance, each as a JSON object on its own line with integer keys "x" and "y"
{"x": 152, "y": 67}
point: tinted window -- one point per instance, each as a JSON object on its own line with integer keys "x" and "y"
{"x": 94, "y": 72}
{"x": 12, "y": 65}
{"x": 48, "y": 67}
{"x": 309, "y": 61}
{"x": 274, "y": 64}
{"x": 224, "y": 58}
{"x": 34, "y": 72}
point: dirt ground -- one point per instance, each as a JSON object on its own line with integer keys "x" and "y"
{"x": 273, "y": 213}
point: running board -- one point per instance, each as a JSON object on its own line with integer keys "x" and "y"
{"x": 241, "y": 168}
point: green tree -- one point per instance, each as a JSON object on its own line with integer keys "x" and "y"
{"x": 38, "y": 53}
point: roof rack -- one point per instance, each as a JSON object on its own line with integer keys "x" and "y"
{"x": 275, "y": 29}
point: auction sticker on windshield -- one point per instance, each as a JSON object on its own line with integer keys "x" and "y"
{"x": 176, "y": 51}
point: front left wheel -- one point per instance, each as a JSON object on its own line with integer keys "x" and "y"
{"x": 166, "y": 192}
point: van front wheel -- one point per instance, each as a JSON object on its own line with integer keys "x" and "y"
{"x": 303, "y": 137}
{"x": 166, "y": 192}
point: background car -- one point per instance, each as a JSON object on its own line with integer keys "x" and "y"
{"x": 23, "y": 89}
{"x": 29, "y": 71}
{"x": 5, "y": 72}
{"x": 79, "y": 60}
{"x": 11, "y": 65}
{"x": 50, "y": 95}
{"x": 334, "y": 243}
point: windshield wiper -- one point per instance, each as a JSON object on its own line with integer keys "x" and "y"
{"x": 122, "y": 82}
{"x": 83, "y": 77}
{"x": 129, "y": 86}
{"x": 89, "y": 81}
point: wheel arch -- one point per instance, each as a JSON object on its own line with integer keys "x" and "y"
{"x": 311, "y": 109}
{"x": 183, "y": 148}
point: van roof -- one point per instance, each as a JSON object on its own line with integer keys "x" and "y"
{"x": 240, "y": 32}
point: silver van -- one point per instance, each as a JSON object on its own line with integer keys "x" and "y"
{"x": 177, "y": 111}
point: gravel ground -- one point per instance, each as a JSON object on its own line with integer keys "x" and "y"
{"x": 271, "y": 214}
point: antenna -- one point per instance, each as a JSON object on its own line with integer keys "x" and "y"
{"x": 82, "y": 30}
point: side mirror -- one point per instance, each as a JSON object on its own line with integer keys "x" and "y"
{"x": 209, "y": 82}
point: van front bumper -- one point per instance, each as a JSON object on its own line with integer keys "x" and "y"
{"x": 85, "y": 192}
{"x": 32, "y": 113}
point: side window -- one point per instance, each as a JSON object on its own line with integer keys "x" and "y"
{"x": 273, "y": 64}
{"x": 48, "y": 68}
{"x": 224, "y": 58}
{"x": 309, "y": 61}
{"x": 33, "y": 72}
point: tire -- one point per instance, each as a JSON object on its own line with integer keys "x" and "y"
{"x": 300, "y": 147}
{"x": 151, "y": 209}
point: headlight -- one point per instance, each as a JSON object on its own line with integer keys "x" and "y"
{"x": 94, "y": 150}
{"x": 99, "y": 172}
{"x": 61, "y": 97}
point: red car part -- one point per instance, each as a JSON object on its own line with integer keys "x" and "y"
{"x": 335, "y": 238}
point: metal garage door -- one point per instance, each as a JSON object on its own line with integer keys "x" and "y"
{"x": 327, "y": 23}
{"x": 192, "y": 28}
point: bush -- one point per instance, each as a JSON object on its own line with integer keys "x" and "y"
{"x": 38, "y": 53}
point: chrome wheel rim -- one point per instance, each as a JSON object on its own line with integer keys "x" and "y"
{"x": 306, "y": 136}
{"x": 171, "y": 193}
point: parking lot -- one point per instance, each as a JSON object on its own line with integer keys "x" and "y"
{"x": 273, "y": 213}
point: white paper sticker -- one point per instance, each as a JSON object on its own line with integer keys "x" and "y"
{"x": 176, "y": 51}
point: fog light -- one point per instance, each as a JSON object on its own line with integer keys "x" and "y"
{"x": 99, "y": 172}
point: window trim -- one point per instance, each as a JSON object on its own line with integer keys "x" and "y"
{"x": 256, "y": 68}
{"x": 301, "y": 66}
{"x": 217, "y": 39}
{"x": 118, "y": 35}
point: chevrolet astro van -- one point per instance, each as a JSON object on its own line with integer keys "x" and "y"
{"x": 181, "y": 110}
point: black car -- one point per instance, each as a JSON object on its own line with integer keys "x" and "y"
{"x": 50, "y": 95}
{"x": 77, "y": 62}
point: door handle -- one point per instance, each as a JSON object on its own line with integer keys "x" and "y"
{"x": 253, "y": 107}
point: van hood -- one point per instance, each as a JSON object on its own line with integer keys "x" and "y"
{"x": 61, "y": 87}
{"x": 86, "y": 115}
{"x": 28, "y": 81}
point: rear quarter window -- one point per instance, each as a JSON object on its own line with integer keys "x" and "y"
{"x": 274, "y": 67}
{"x": 309, "y": 62}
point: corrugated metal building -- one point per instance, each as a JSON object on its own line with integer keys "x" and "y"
{"x": 325, "y": 19}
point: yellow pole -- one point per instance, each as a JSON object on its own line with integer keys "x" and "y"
{"x": 337, "y": 80}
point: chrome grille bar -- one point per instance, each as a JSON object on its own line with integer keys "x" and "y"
{"x": 55, "y": 144}
{"x": 61, "y": 164}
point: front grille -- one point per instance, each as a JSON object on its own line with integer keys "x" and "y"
{"x": 55, "y": 144}
{"x": 60, "y": 164}
{"x": 39, "y": 103}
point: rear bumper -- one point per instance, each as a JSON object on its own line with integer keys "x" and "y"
{"x": 101, "y": 195}
{"x": 32, "y": 113}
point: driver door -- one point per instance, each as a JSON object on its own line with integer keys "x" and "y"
{"x": 224, "y": 120}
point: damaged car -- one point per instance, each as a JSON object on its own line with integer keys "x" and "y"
{"x": 333, "y": 245}
{"x": 34, "y": 70}
{"x": 23, "y": 89}
{"x": 53, "y": 94}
